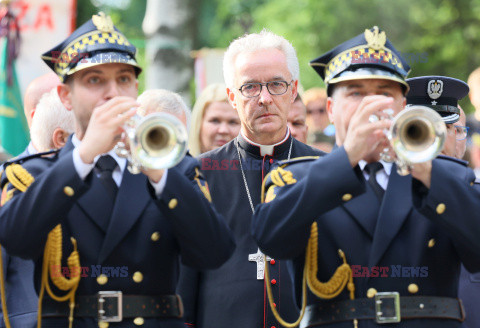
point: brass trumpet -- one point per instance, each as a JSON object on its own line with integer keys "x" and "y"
{"x": 154, "y": 141}
{"x": 417, "y": 135}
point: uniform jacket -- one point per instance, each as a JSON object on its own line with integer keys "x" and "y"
{"x": 469, "y": 293}
{"x": 409, "y": 230}
{"x": 232, "y": 296}
{"x": 187, "y": 225}
{"x": 22, "y": 300}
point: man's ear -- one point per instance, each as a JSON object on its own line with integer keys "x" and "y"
{"x": 231, "y": 98}
{"x": 330, "y": 109}
{"x": 294, "y": 90}
{"x": 59, "y": 137}
{"x": 64, "y": 92}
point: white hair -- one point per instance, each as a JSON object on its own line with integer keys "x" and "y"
{"x": 164, "y": 100}
{"x": 254, "y": 42}
{"x": 49, "y": 115}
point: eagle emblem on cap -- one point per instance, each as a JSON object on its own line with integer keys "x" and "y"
{"x": 102, "y": 22}
{"x": 435, "y": 89}
{"x": 375, "y": 39}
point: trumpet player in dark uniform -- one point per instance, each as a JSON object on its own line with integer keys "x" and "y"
{"x": 106, "y": 242}
{"x": 377, "y": 248}
{"x": 441, "y": 93}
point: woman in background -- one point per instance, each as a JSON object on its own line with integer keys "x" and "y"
{"x": 214, "y": 121}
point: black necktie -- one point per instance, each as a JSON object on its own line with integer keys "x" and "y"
{"x": 372, "y": 169}
{"x": 105, "y": 165}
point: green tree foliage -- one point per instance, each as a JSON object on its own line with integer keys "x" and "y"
{"x": 436, "y": 37}
{"x": 128, "y": 19}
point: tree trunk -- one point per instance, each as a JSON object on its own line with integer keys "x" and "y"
{"x": 168, "y": 26}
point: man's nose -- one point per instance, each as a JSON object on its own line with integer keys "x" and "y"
{"x": 112, "y": 90}
{"x": 265, "y": 97}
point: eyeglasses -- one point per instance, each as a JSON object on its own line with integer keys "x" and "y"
{"x": 461, "y": 132}
{"x": 275, "y": 88}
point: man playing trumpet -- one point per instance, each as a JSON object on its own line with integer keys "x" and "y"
{"x": 106, "y": 243}
{"x": 397, "y": 241}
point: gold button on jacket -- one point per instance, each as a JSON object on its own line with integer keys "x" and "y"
{"x": 346, "y": 197}
{"x": 137, "y": 277}
{"x": 172, "y": 203}
{"x": 371, "y": 292}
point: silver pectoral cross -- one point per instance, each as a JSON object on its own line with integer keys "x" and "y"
{"x": 258, "y": 257}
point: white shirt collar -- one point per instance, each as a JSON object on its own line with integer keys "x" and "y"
{"x": 122, "y": 162}
{"x": 31, "y": 149}
{"x": 386, "y": 166}
{"x": 267, "y": 149}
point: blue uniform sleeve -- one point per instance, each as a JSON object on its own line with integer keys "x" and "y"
{"x": 289, "y": 210}
{"x": 453, "y": 202}
{"x": 204, "y": 239}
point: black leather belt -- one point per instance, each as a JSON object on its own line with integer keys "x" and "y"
{"x": 113, "y": 306}
{"x": 384, "y": 308}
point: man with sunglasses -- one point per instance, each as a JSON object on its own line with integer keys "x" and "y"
{"x": 261, "y": 72}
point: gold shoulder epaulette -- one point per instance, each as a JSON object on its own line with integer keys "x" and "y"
{"x": 282, "y": 175}
{"x": 17, "y": 177}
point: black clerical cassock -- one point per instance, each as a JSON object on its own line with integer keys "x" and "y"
{"x": 234, "y": 295}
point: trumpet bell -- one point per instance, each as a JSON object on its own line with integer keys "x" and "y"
{"x": 417, "y": 134}
{"x": 156, "y": 141}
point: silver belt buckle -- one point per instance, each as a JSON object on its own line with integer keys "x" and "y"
{"x": 102, "y": 295}
{"x": 380, "y": 318}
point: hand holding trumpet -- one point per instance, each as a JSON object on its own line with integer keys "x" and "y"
{"x": 105, "y": 127}
{"x": 366, "y": 139}
{"x": 414, "y": 138}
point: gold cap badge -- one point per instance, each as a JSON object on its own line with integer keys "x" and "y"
{"x": 376, "y": 39}
{"x": 102, "y": 22}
